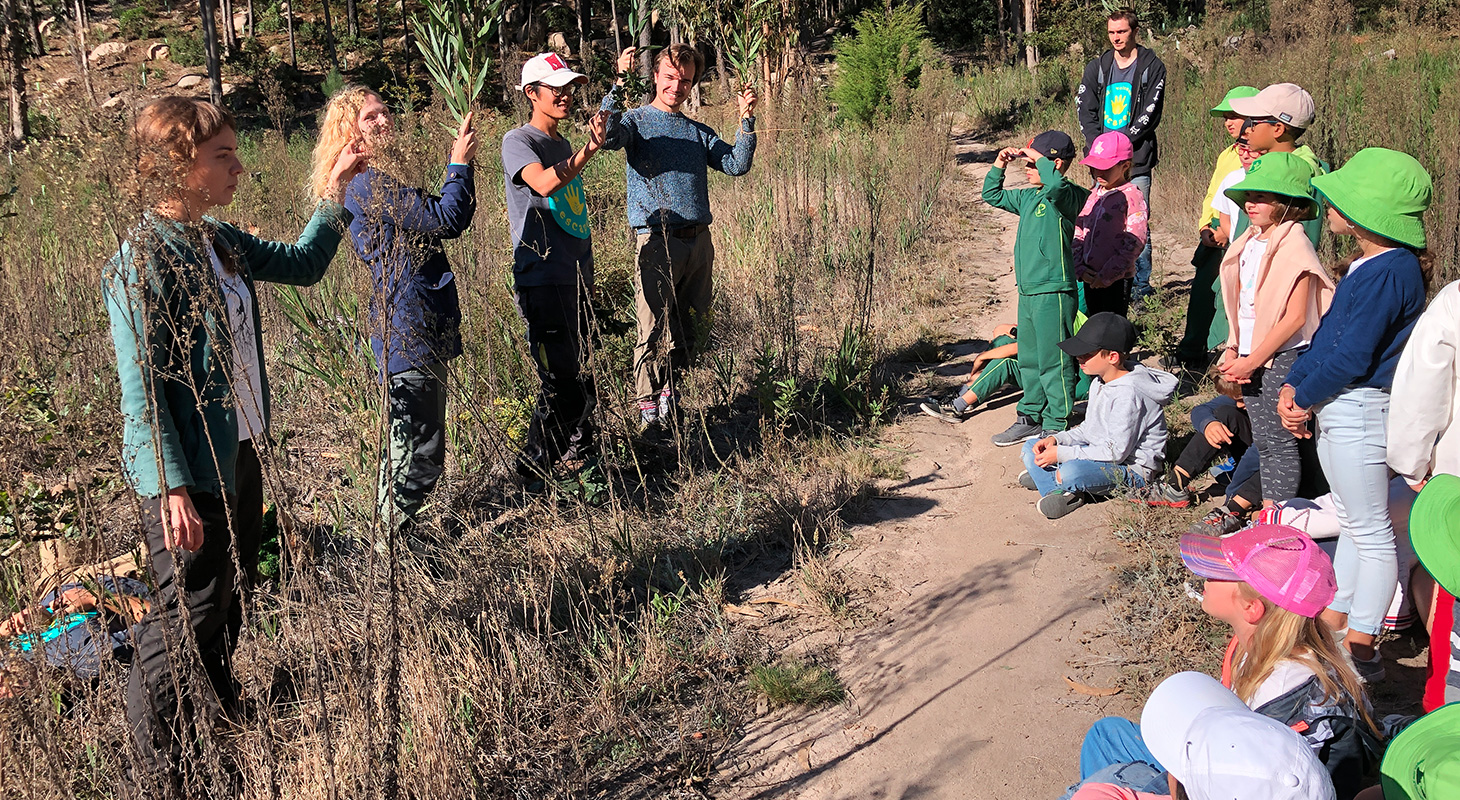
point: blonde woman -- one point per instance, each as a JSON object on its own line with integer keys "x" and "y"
{"x": 415, "y": 316}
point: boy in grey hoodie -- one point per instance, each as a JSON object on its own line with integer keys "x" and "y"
{"x": 1123, "y": 438}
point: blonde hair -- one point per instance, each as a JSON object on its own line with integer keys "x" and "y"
{"x": 339, "y": 127}
{"x": 1281, "y": 636}
{"x": 167, "y": 134}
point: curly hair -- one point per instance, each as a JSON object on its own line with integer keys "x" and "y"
{"x": 167, "y": 134}
{"x": 338, "y": 128}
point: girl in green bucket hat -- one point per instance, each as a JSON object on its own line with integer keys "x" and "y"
{"x": 1378, "y": 197}
{"x": 1274, "y": 291}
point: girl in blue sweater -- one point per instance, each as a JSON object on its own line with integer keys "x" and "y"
{"x": 1379, "y": 197}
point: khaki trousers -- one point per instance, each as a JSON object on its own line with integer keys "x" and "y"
{"x": 674, "y": 287}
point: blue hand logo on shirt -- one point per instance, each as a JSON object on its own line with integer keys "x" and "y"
{"x": 1117, "y": 106}
{"x": 570, "y": 208}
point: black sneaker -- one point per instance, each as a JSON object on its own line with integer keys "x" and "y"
{"x": 1161, "y": 493}
{"x": 1020, "y": 432}
{"x": 1220, "y": 521}
{"x": 1027, "y": 481}
{"x": 942, "y": 411}
{"x": 1056, "y": 504}
{"x": 1371, "y": 671}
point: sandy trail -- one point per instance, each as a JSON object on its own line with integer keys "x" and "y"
{"x": 957, "y": 689}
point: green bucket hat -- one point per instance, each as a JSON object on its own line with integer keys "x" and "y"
{"x": 1239, "y": 93}
{"x": 1383, "y": 191}
{"x": 1434, "y": 530}
{"x": 1423, "y": 761}
{"x": 1280, "y": 173}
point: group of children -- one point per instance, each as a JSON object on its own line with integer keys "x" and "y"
{"x": 1325, "y": 390}
{"x": 185, "y": 322}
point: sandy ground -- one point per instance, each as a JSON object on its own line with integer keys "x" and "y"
{"x": 957, "y": 686}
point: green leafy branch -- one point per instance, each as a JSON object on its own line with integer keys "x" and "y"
{"x": 455, "y": 39}
{"x": 746, "y": 39}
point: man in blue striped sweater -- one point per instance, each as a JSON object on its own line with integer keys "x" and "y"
{"x": 669, "y": 156}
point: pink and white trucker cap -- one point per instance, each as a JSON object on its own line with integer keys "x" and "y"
{"x": 1279, "y": 561}
{"x": 1108, "y": 149}
{"x": 549, "y": 68}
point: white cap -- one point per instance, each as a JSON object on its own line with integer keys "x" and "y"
{"x": 1285, "y": 102}
{"x": 1221, "y": 750}
{"x": 549, "y": 68}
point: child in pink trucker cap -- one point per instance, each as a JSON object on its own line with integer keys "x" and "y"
{"x": 1112, "y": 227}
{"x": 1270, "y": 583}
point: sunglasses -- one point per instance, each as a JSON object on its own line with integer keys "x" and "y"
{"x": 558, "y": 91}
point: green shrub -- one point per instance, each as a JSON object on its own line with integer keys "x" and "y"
{"x": 798, "y": 683}
{"x": 333, "y": 82}
{"x": 879, "y": 62}
{"x": 270, "y": 20}
{"x": 138, "y": 22}
{"x": 185, "y": 49}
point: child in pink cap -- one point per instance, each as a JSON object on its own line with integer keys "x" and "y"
{"x": 1111, "y": 229}
{"x": 1270, "y": 583}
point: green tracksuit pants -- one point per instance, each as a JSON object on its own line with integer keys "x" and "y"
{"x": 1046, "y": 373}
{"x": 1206, "y": 314}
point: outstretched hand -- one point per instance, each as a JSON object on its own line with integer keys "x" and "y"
{"x": 597, "y": 130}
{"x": 746, "y": 100}
{"x": 464, "y": 149}
{"x": 625, "y": 62}
{"x": 350, "y": 162}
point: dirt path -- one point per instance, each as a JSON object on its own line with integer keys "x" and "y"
{"x": 957, "y": 689}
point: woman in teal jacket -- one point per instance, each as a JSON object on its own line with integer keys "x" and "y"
{"x": 195, "y": 406}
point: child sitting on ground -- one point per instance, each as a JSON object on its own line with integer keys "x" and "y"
{"x": 1111, "y": 229}
{"x": 1270, "y": 583}
{"x": 1222, "y": 430}
{"x": 994, "y": 369}
{"x": 1215, "y": 748}
{"x": 1123, "y": 437}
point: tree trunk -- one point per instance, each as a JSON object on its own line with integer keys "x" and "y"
{"x": 723, "y": 70}
{"x": 289, "y": 24}
{"x": 210, "y": 49}
{"x": 248, "y": 21}
{"x": 646, "y": 65}
{"x": 674, "y": 35}
{"x": 585, "y": 28}
{"x": 352, "y": 19}
{"x": 1002, "y": 41}
{"x": 15, "y": 36}
{"x": 380, "y": 23}
{"x": 1031, "y": 56}
{"x": 33, "y": 20}
{"x": 230, "y": 37}
{"x": 81, "y": 44}
{"x": 329, "y": 36}
{"x": 618, "y": 42}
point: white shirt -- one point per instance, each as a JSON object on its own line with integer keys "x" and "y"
{"x": 1286, "y": 676}
{"x": 1424, "y": 438}
{"x": 1249, "y": 265}
{"x": 1224, "y": 204}
{"x": 248, "y": 391}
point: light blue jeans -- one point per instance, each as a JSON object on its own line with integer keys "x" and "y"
{"x": 1091, "y": 477}
{"x": 1114, "y": 753}
{"x": 1351, "y": 448}
{"x": 1141, "y": 286}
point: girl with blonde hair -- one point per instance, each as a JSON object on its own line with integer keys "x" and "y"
{"x": 195, "y": 412}
{"x": 415, "y": 315}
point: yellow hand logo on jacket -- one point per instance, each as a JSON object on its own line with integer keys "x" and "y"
{"x": 570, "y": 208}
{"x": 574, "y": 196}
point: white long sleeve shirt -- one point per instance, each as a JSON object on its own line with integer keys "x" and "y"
{"x": 1424, "y": 438}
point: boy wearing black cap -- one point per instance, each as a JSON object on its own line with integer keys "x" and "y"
{"x": 1045, "y": 274}
{"x": 1123, "y": 438}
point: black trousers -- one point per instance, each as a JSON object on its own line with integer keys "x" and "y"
{"x": 181, "y": 678}
{"x": 559, "y": 324}
{"x": 1114, "y": 298}
{"x": 1199, "y": 453}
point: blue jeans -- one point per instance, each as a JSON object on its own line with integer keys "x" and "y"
{"x": 1113, "y": 752}
{"x": 1091, "y": 477}
{"x": 1351, "y": 444}
{"x": 1141, "y": 286}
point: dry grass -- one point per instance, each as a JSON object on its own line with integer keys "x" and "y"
{"x": 562, "y": 645}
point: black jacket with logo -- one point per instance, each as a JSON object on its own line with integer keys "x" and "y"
{"x": 1147, "y": 96}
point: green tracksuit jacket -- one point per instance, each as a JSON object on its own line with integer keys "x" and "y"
{"x": 1045, "y": 273}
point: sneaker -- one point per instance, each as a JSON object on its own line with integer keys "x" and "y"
{"x": 1218, "y": 522}
{"x": 1162, "y": 494}
{"x": 1371, "y": 671}
{"x": 1056, "y": 504}
{"x": 1020, "y": 432}
{"x": 1027, "y": 481}
{"x": 942, "y": 411}
{"x": 648, "y": 419}
{"x": 1222, "y": 467}
{"x": 668, "y": 406}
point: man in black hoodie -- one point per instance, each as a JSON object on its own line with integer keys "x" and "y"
{"x": 1122, "y": 90}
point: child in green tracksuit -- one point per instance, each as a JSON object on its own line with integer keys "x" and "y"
{"x": 1044, "y": 271}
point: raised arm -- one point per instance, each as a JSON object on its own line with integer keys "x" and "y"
{"x": 302, "y": 263}
{"x": 731, "y": 160}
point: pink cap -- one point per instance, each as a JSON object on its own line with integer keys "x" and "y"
{"x": 1109, "y": 149}
{"x": 1279, "y": 561}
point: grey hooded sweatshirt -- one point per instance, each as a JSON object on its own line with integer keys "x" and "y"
{"x": 1123, "y": 422}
